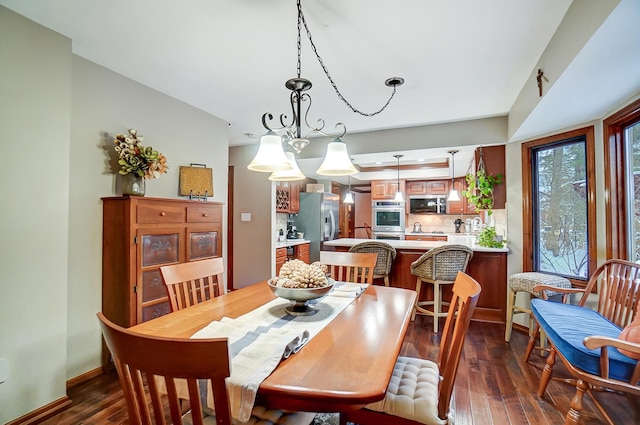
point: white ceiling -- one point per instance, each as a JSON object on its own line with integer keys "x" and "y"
{"x": 460, "y": 59}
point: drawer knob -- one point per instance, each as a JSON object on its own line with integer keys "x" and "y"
{"x": 205, "y": 214}
{"x": 163, "y": 213}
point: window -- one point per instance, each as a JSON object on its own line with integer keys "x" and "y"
{"x": 559, "y": 213}
{"x": 622, "y": 183}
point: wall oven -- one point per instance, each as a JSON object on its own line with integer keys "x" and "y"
{"x": 388, "y": 216}
{"x": 394, "y": 236}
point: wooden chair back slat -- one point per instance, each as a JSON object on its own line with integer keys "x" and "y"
{"x": 350, "y": 266}
{"x": 139, "y": 358}
{"x": 191, "y": 283}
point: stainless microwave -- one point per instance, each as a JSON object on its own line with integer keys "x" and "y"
{"x": 428, "y": 204}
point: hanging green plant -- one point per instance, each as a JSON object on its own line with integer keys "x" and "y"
{"x": 479, "y": 190}
{"x": 488, "y": 238}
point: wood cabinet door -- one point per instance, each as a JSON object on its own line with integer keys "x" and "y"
{"x": 379, "y": 189}
{"x": 302, "y": 252}
{"x": 437, "y": 187}
{"x": 294, "y": 197}
{"x": 281, "y": 258}
{"x": 416, "y": 187}
{"x": 494, "y": 163}
{"x": 155, "y": 248}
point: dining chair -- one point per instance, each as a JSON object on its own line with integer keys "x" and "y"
{"x": 193, "y": 282}
{"x": 350, "y": 266}
{"x": 145, "y": 363}
{"x": 437, "y": 267}
{"x": 386, "y": 255}
{"x": 419, "y": 390}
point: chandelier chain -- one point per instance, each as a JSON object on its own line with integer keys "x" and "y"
{"x": 326, "y": 70}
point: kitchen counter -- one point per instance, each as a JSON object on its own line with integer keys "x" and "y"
{"x": 291, "y": 242}
{"x": 417, "y": 245}
{"x": 488, "y": 266}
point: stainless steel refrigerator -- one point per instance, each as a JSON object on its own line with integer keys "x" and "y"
{"x": 318, "y": 219}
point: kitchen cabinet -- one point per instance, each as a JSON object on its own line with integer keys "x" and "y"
{"x": 301, "y": 252}
{"x": 294, "y": 197}
{"x": 287, "y": 197}
{"x": 141, "y": 234}
{"x": 437, "y": 187}
{"x": 427, "y": 187}
{"x": 281, "y": 258}
{"x": 425, "y": 238}
{"x": 386, "y": 189}
{"x": 418, "y": 187}
{"x": 494, "y": 163}
{"x": 285, "y": 253}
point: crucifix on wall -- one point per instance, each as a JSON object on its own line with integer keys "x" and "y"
{"x": 539, "y": 79}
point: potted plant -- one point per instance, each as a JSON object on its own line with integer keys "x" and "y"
{"x": 479, "y": 190}
{"x": 489, "y": 239}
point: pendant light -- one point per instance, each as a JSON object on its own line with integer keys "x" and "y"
{"x": 271, "y": 156}
{"x": 399, "y": 197}
{"x": 348, "y": 197}
{"x": 288, "y": 175}
{"x": 453, "y": 193}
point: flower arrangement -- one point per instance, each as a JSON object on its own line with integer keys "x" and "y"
{"x": 137, "y": 159}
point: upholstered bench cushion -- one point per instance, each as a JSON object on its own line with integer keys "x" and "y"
{"x": 567, "y": 325}
{"x": 527, "y": 280}
{"x": 260, "y": 416}
{"x": 412, "y": 392}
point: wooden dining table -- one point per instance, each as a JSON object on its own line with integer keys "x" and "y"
{"x": 347, "y": 365}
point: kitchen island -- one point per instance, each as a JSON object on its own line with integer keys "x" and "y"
{"x": 488, "y": 266}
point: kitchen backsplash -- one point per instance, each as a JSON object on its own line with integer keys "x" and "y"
{"x": 444, "y": 222}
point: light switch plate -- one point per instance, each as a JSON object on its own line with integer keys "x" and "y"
{"x": 245, "y": 216}
{"x": 4, "y": 370}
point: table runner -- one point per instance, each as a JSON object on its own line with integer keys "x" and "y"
{"x": 258, "y": 340}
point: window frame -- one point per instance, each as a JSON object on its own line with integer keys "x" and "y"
{"x": 527, "y": 198}
{"x": 615, "y": 179}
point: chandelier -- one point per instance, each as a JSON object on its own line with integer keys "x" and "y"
{"x": 271, "y": 156}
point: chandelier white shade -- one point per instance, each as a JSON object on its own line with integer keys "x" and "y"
{"x": 336, "y": 161}
{"x": 270, "y": 156}
{"x": 288, "y": 175}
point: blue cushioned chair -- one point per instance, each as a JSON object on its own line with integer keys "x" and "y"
{"x": 586, "y": 340}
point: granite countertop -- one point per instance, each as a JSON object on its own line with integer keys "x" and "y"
{"x": 291, "y": 242}
{"x": 404, "y": 244}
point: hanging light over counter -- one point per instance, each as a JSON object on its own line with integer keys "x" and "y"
{"x": 453, "y": 193}
{"x": 399, "y": 197}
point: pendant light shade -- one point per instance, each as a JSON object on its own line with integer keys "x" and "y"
{"x": 399, "y": 197}
{"x": 453, "y": 193}
{"x": 336, "y": 161}
{"x": 348, "y": 197}
{"x": 270, "y": 156}
{"x": 288, "y": 175}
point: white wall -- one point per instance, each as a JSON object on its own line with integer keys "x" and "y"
{"x": 104, "y": 104}
{"x": 58, "y": 115}
{"x": 35, "y": 98}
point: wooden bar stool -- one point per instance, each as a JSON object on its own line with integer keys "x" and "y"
{"x": 525, "y": 282}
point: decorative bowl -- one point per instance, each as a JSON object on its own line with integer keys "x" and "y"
{"x": 301, "y": 296}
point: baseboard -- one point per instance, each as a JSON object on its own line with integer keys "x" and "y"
{"x": 84, "y": 377}
{"x": 55, "y": 407}
{"x": 45, "y": 412}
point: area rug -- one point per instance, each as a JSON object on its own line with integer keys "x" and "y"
{"x": 326, "y": 419}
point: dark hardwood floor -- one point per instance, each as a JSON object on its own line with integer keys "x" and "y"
{"x": 494, "y": 385}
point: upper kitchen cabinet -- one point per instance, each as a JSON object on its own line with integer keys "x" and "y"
{"x": 287, "y": 197}
{"x": 493, "y": 158}
{"x": 386, "y": 189}
{"x": 427, "y": 187}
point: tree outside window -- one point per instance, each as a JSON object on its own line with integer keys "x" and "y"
{"x": 560, "y": 209}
